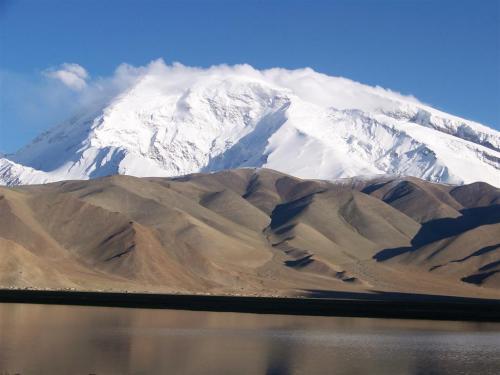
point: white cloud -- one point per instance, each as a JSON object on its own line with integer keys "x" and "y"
{"x": 72, "y": 75}
{"x": 311, "y": 86}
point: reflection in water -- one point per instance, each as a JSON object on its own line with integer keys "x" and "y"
{"x": 48, "y": 339}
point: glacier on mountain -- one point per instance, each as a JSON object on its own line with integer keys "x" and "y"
{"x": 174, "y": 120}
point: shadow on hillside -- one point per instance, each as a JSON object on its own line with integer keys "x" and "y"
{"x": 482, "y": 251}
{"x": 283, "y": 213}
{"x": 439, "y": 229}
{"x": 478, "y": 278}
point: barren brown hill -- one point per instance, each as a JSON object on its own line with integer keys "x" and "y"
{"x": 252, "y": 231}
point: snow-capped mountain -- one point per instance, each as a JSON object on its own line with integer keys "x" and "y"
{"x": 175, "y": 120}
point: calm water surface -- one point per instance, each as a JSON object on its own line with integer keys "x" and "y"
{"x": 44, "y": 339}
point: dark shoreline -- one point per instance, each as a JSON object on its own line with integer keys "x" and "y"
{"x": 378, "y": 305}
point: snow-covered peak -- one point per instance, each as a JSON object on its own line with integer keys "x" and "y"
{"x": 175, "y": 120}
{"x": 14, "y": 174}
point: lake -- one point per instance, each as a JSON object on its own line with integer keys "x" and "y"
{"x": 50, "y": 339}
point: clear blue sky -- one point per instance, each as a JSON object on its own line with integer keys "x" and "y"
{"x": 446, "y": 53}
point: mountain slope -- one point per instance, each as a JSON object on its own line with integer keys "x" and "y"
{"x": 176, "y": 120}
{"x": 251, "y": 231}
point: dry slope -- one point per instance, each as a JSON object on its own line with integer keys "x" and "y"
{"x": 252, "y": 231}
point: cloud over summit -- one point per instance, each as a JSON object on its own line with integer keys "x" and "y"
{"x": 72, "y": 75}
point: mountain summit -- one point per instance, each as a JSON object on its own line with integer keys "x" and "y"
{"x": 175, "y": 120}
